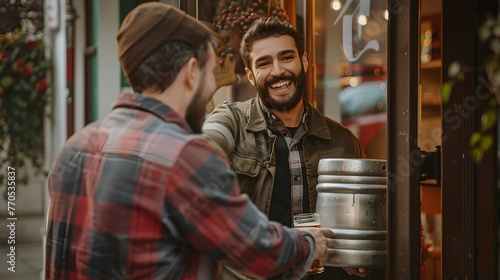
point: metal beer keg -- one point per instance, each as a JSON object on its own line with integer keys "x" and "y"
{"x": 352, "y": 203}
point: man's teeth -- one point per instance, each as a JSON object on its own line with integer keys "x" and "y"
{"x": 280, "y": 84}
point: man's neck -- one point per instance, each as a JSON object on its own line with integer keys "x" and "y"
{"x": 293, "y": 117}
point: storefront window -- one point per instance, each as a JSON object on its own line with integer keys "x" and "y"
{"x": 351, "y": 66}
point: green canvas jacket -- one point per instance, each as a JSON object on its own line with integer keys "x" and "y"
{"x": 253, "y": 157}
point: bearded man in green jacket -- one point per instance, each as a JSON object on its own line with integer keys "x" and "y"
{"x": 275, "y": 140}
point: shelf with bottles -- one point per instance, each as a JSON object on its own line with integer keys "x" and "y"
{"x": 430, "y": 36}
{"x": 430, "y": 61}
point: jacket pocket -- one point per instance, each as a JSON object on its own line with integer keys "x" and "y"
{"x": 245, "y": 166}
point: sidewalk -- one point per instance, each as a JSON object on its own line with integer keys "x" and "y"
{"x": 29, "y": 261}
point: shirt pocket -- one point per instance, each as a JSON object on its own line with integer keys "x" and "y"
{"x": 245, "y": 165}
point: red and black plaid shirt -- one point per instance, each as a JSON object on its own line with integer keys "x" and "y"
{"x": 139, "y": 196}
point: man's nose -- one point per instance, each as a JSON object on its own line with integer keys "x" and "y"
{"x": 277, "y": 69}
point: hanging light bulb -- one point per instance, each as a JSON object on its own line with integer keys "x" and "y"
{"x": 336, "y": 5}
{"x": 362, "y": 20}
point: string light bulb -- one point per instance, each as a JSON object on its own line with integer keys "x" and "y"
{"x": 336, "y": 5}
{"x": 362, "y": 20}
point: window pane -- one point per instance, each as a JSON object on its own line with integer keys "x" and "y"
{"x": 351, "y": 61}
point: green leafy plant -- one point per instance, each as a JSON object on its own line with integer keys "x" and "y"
{"x": 23, "y": 99}
{"x": 482, "y": 140}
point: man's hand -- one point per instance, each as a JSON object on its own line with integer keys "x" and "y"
{"x": 322, "y": 240}
{"x": 362, "y": 272}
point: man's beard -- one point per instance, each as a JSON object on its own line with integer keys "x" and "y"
{"x": 282, "y": 105}
{"x": 195, "y": 115}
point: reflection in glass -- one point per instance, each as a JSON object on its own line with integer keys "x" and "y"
{"x": 351, "y": 66}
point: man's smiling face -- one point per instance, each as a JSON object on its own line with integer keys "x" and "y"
{"x": 278, "y": 72}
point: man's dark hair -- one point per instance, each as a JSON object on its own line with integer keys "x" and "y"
{"x": 160, "y": 69}
{"x": 266, "y": 27}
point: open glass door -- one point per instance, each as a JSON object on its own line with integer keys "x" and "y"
{"x": 366, "y": 77}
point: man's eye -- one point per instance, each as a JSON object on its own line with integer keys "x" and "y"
{"x": 262, "y": 64}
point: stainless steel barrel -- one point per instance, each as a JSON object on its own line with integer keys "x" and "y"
{"x": 352, "y": 203}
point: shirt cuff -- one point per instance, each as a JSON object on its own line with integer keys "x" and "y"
{"x": 309, "y": 260}
{"x": 300, "y": 270}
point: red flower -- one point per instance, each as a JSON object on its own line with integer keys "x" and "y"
{"x": 27, "y": 70}
{"x": 41, "y": 85}
{"x": 4, "y": 54}
{"x": 16, "y": 66}
{"x": 31, "y": 43}
{"x": 1, "y": 91}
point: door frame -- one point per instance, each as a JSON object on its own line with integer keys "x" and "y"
{"x": 403, "y": 159}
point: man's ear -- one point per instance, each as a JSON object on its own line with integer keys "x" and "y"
{"x": 305, "y": 63}
{"x": 191, "y": 74}
{"x": 250, "y": 76}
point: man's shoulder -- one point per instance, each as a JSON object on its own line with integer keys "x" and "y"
{"x": 235, "y": 105}
{"x": 232, "y": 112}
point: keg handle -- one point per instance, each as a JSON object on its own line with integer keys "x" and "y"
{"x": 430, "y": 166}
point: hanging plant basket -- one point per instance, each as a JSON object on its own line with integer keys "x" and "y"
{"x": 234, "y": 18}
{"x": 23, "y": 100}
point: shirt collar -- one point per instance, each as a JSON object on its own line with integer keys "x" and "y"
{"x": 152, "y": 105}
{"x": 271, "y": 117}
{"x": 315, "y": 122}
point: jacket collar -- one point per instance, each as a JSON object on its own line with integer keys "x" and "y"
{"x": 316, "y": 122}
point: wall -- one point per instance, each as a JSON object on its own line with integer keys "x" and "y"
{"x": 108, "y": 65}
